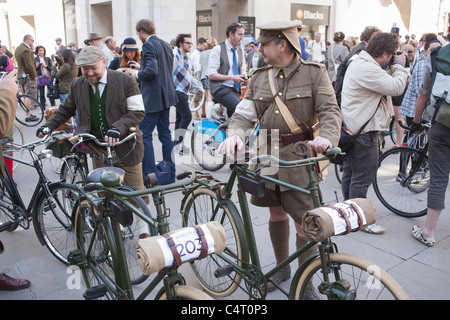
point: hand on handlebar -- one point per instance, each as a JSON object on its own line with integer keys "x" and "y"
{"x": 112, "y": 136}
{"x": 320, "y": 144}
{"x": 228, "y": 147}
{"x": 42, "y": 132}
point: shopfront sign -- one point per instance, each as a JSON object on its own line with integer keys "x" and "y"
{"x": 310, "y": 15}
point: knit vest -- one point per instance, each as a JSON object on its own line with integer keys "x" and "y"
{"x": 225, "y": 66}
{"x": 99, "y": 126}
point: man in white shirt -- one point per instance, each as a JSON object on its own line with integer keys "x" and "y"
{"x": 318, "y": 49}
{"x": 366, "y": 86}
{"x": 225, "y": 68}
{"x": 194, "y": 56}
{"x": 109, "y": 50}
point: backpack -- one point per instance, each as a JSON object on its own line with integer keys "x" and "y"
{"x": 165, "y": 174}
{"x": 440, "y": 85}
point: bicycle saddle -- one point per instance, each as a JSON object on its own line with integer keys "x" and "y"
{"x": 108, "y": 176}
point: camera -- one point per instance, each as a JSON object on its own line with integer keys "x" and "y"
{"x": 130, "y": 65}
{"x": 396, "y": 30}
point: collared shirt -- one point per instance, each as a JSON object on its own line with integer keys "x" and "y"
{"x": 182, "y": 73}
{"x": 408, "y": 107}
{"x": 214, "y": 62}
{"x": 102, "y": 83}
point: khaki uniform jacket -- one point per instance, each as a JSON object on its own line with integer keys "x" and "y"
{"x": 8, "y": 105}
{"x": 25, "y": 61}
{"x": 309, "y": 93}
{"x": 123, "y": 108}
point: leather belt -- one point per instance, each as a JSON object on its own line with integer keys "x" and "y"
{"x": 289, "y": 138}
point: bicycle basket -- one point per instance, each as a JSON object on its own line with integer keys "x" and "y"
{"x": 60, "y": 145}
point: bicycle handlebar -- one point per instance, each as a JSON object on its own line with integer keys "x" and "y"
{"x": 76, "y": 139}
{"x": 329, "y": 154}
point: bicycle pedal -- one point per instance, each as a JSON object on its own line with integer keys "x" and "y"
{"x": 95, "y": 292}
{"x": 223, "y": 271}
{"x": 47, "y": 207}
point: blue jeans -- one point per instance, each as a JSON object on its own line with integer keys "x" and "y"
{"x": 183, "y": 116}
{"x": 160, "y": 120}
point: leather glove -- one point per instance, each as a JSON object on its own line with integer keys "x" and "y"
{"x": 416, "y": 127}
{"x": 44, "y": 131}
{"x": 113, "y": 133}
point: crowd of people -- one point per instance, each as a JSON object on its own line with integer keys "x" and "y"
{"x": 349, "y": 83}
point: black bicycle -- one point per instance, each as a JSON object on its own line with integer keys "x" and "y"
{"x": 50, "y": 206}
{"x": 403, "y": 177}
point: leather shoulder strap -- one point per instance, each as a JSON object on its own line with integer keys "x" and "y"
{"x": 287, "y": 116}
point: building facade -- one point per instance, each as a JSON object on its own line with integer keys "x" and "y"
{"x": 73, "y": 20}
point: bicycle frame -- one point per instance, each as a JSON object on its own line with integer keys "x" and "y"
{"x": 113, "y": 231}
{"x": 312, "y": 191}
{"x": 42, "y": 187}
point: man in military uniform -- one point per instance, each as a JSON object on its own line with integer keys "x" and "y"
{"x": 310, "y": 95}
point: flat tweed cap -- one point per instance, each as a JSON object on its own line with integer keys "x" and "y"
{"x": 89, "y": 56}
{"x": 281, "y": 29}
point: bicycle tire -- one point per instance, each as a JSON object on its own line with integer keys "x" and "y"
{"x": 368, "y": 280}
{"x": 205, "y": 147}
{"x": 200, "y": 207}
{"x": 37, "y": 110}
{"x": 404, "y": 197}
{"x": 393, "y": 130}
{"x": 185, "y": 293}
{"x": 52, "y": 220}
{"x": 18, "y": 138}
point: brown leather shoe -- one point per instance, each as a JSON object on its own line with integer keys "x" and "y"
{"x": 282, "y": 275}
{"x": 11, "y": 284}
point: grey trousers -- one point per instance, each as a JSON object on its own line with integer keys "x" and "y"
{"x": 439, "y": 161}
{"x": 361, "y": 167}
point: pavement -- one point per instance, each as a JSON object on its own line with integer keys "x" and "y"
{"x": 423, "y": 272}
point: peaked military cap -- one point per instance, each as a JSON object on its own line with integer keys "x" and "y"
{"x": 282, "y": 30}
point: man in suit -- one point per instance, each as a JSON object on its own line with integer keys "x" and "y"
{"x": 108, "y": 104}
{"x": 158, "y": 92}
{"x": 26, "y": 72}
{"x": 254, "y": 59}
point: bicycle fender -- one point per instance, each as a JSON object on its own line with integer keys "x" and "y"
{"x": 299, "y": 272}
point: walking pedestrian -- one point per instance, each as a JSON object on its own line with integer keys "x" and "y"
{"x": 158, "y": 92}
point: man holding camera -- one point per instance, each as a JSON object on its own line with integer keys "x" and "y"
{"x": 366, "y": 95}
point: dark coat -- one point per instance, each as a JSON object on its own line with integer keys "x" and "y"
{"x": 119, "y": 87}
{"x": 155, "y": 76}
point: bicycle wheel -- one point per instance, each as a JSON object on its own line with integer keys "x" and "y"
{"x": 36, "y": 111}
{"x": 97, "y": 253}
{"x": 52, "y": 219}
{"x": 338, "y": 169}
{"x": 402, "y": 181}
{"x": 185, "y": 293}
{"x": 202, "y": 206}
{"x": 350, "y": 278}
{"x": 195, "y": 99}
{"x": 205, "y": 145}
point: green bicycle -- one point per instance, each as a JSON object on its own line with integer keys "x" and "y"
{"x": 333, "y": 275}
{"x": 101, "y": 219}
